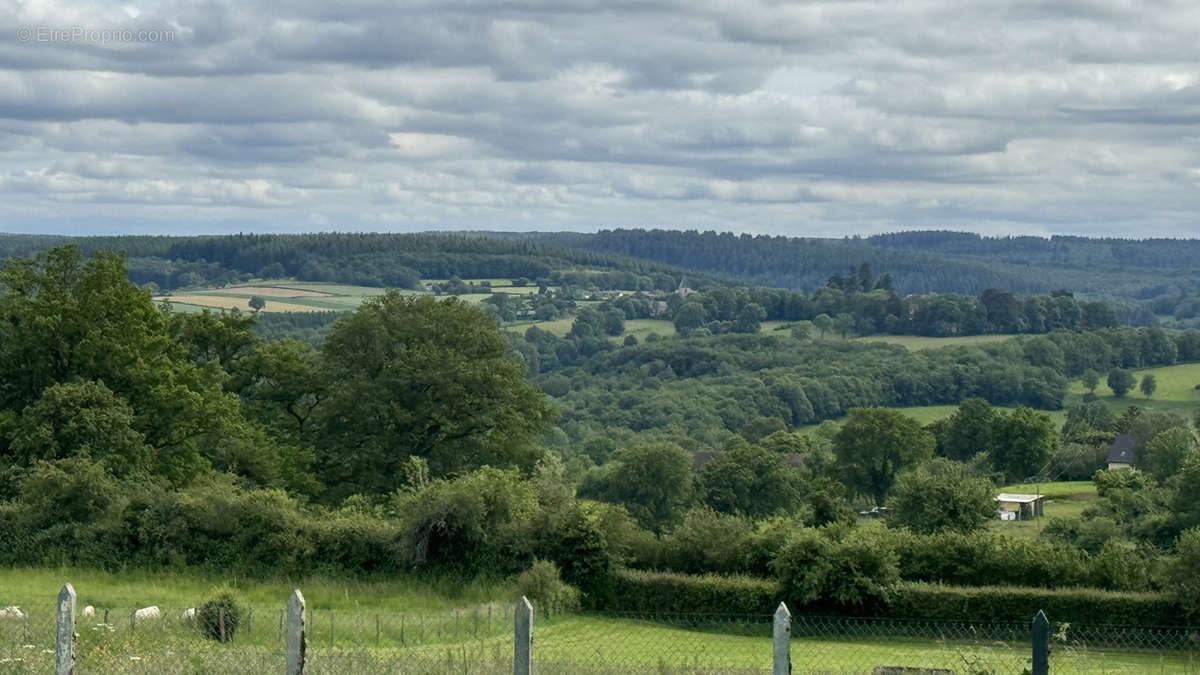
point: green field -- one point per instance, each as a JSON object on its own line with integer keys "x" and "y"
{"x": 640, "y": 328}
{"x": 916, "y": 342}
{"x": 282, "y": 296}
{"x": 1176, "y": 390}
{"x": 403, "y": 626}
{"x": 925, "y": 414}
{"x": 1064, "y": 499}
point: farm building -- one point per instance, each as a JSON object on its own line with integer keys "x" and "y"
{"x": 1120, "y": 453}
{"x": 1011, "y": 506}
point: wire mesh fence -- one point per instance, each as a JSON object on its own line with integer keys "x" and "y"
{"x": 480, "y": 640}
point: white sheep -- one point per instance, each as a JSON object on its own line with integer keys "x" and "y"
{"x": 150, "y": 612}
{"x": 11, "y": 612}
{"x": 189, "y": 613}
{"x": 88, "y": 611}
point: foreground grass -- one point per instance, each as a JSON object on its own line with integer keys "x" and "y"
{"x": 139, "y": 588}
{"x": 584, "y": 644}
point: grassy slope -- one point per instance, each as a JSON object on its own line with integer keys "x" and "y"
{"x": 1176, "y": 390}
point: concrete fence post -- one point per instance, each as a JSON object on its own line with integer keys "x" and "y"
{"x": 523, "y": 638}
{"x": 782, "y": 656}
{"x": 297, "y": 635}
{"x": 64, "y": 658}
{"x": 1041, "y": 644}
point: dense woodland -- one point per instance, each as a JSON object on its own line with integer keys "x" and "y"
{"x": 415, "y": 433}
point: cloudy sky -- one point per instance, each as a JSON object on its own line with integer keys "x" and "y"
{"x": 807, "y": 118}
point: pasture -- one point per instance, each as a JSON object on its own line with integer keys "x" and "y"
{"x": 1176, "y": 390}
{"x": 1064, "y": 499}
{"x": 917, "y": 342}
{"x": 926, "y": 414}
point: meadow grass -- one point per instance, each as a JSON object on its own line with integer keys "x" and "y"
{"x": 926, "y": 414}
{"x": 917, "y": 342}
{"x": 186, "y": 588}
{"x": 1176, "y": 390}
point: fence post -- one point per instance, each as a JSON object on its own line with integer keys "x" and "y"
{"x": 523, "y": 638}
{"x": 65, "y": 652}
{"x": 783, "y": 641}
{"x": 297, "y": 636}
{"x": 1041, "y": 644}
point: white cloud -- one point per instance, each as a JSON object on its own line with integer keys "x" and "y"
{"x": 826, "y": 117}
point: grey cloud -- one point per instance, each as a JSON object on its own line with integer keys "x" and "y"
{"x": 1052, "y": 115}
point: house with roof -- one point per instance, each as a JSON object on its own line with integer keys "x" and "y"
{"x": 1120, "y": 453}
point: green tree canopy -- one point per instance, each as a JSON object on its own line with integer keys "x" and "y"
{"x": 1149, "y": 385}
{"x": 418, "y": 376}
{"x": 877, "y": 443}
{"x": 1023, "y": 442}
{"x": 941, "y": 495}
{"x": 750, "y": 480}
{"x": 1120, "y": 381}
{"x": 969, "y": 431}
{"x": 653, "y": 481}
{"x": 66, "y": 321}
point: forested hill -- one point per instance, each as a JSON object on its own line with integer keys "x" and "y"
{"x": 368, "y": 259}
{"x": 920, "y": 262}
{"x": 1151, "y": 277}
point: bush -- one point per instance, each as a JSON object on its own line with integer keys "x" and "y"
{"x": 969, "y": 559}
{"x": 941, "y": 495}
{"x": 1183, "y": 576}
{"x": 857, "y": 570}
{"x": 1014, "y": 603}
{"x": 219, "y": 616}
{"x": 658, "y": 592}
{"x": 542, "y": 585}
{"x": 670, "y": 593}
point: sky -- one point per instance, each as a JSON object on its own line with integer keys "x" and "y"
{"x": 821, "y": 118}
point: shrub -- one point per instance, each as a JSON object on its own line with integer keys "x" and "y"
{"x": 1014, "y": 603}
{"x": 858, "y": 570}
{"x": 219, "y": 616}
{"x": 1183, "y": 575}
{"x": 941, "y": 495}
{"x": 670, "y": 593}
{"x": 659, "y": 592}
{"x": 544, "y": 587}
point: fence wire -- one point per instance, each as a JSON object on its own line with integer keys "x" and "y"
{"x": 479, "y": 641}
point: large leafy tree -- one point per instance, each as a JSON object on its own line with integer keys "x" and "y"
{"x": 66, "y": 321}
{"x": 941, "y": 495}
{"x": 417, "y": 376}
{"x": 654, "y": 482}
{"x": 877, "y": 443}
{"x": 1023, "y": 442}
{"x": 750, "y": 480}
{"x": 1120, "y": 381}
{"x": 969, "y": 430}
